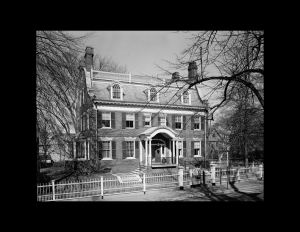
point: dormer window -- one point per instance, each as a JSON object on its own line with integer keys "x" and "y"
{"x": 153, "y": 95}
{"x": 186, "y": 98}
{"x": 116, "y": 92}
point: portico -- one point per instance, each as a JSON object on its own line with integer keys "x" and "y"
{"x": 160, "y": 147}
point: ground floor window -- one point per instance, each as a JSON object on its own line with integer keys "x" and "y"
{"x": 80, "y": 150}
{"x": 106, "y": 151}
{"x": 130, "y": 148}
{"x": 197, "y": 148}
{"x": 180, "y": 154}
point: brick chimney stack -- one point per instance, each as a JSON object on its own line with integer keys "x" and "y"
{"x": 192, "y": 69}
{"x": 175, "y": 76}
{"x": 89, "y": 54}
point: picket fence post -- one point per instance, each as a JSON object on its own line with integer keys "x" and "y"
{"x": 213, "y": 174}
{"x": 101, "y": 186}
{"x": 238, "y": 175}
{"x": 53, "y": 189}
{"x": 144, "y": 183}
{"x": 191, "y": 177}
{"x": 180, "y": 178}
{"x": 260, "y": 171}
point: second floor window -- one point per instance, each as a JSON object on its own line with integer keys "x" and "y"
{"x": 129, "y": 120}
{"x": 163, "y": 121}
{"x": 178, "y": 122}
{"x": 116, "y": 91}
{"x": 106, "y": 118}
{"x": 196, "y": 122}
{"x": 148, "y": 121}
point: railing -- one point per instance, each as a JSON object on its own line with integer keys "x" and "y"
{"x": 163, "y": 160}
{"x": 108, "y": 186}
{"x": 111, "y": 76}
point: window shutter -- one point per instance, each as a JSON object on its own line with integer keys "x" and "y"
{"x": 184, "y": 148}
{"x": 137, "y": 150}
{"x": 143, "y": 118}
{"x": 192, "y": 148}
{"x": 71, "y": 149}
{"x": 123, "y": 120}
{"x": 113, "y": 149}
{"x": 152, "y": 121}
{"x": 173, "y": 121}
{"x": 86, "y": 118}
{"x": 184, "y": 122}
{"x": 100, "y": 149}
{"x": 158, "y": 121}
{"x": 136, "y": 117}
{"x": 99, "y": 119}
{"x": 124, "y": 149}
{"x": 168, "y": 121}
{"x": 202, "y": 148}
{"x": 113, "y": 120}
{"x": 202, "y": 123}
{"x": 192, "y": 123}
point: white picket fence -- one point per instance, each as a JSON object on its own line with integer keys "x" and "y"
{"x": 108, "y": 186}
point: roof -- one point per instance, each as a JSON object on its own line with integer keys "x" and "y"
{"x": 135, "y": 90}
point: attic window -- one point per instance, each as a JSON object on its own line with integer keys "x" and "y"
{"x": 213, "y": 135}
{"x": 116, "y": 92}
{"x": 153, "y": 94}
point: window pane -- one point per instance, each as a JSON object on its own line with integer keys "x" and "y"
{"x": 116, "y": 91}
{"x": 129, "y": 148}
{"x": 106, "y": 116}
{"x": 129, "y": 117}
{"x": 162, "y": 121}
{"x": 197, "y": 145}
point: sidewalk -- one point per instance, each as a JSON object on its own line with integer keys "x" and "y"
{"x": 242, "y": 191}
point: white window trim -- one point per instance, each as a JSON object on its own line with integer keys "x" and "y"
{"x": 110, "y": 147}
{"x": 121, "y": 92}
{"x": 85, "y": 155}
{"x": 157, "y": 95}
{"x": 199, "y": 122}
{"x": 110, "y": 120}
{"x": 181, "y": 122}
{"x": 131, "y": 139}
{"x": 132, "y": 123}
{"x": 198, "y": 140}
{"x": 165, "y": 120}
{"x": 148, "y": 115}
{"x": 190, "y": 101}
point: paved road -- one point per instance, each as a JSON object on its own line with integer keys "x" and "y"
{"x": 243, "y": 191}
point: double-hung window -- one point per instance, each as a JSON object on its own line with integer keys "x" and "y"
{"x": 197, "y": 148}
{"x": 186, "y": 98}
{"x": 148, "y": 121}
{"x": 129, "y": 148}
{"x": 106, "y": 120}
{"x": 178, "y": 122}
{"x": 129, "y": 120}
{"x": 106, "y": 149}
{"x": 163, "y": 121}
{"x": 196, "y": 122}
{"x": 153, "y": 95}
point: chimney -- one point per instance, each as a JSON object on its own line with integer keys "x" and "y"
{"x": 82, "y": 63}
{"x": 89, "y": 54}
{"x": 175, "y": 76}
{"x": 192, "y": 69}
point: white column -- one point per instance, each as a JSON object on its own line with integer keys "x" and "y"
{"x": 85, "y": 144}
{"x": 150, "y": 154}
{"x": 141, "y": 157}
{"x": 74, "y": 155}
{"x": 88, "y": 144}
{"x": 174, "y": 153}
{"x": 170, "y": 152}
{"x": 146, "y": 151}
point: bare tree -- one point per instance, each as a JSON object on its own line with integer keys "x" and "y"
{"x": 107, "y": 64}
{"x": 237, "y": 55}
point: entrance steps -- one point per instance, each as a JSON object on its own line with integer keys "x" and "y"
{"x": 139, "y": 170}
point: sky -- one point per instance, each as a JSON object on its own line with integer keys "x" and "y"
{"x": 139, "y": 51}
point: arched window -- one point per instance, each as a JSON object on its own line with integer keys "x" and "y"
{"x": 153, "y": 94}
{"x": 116, "y": 91}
